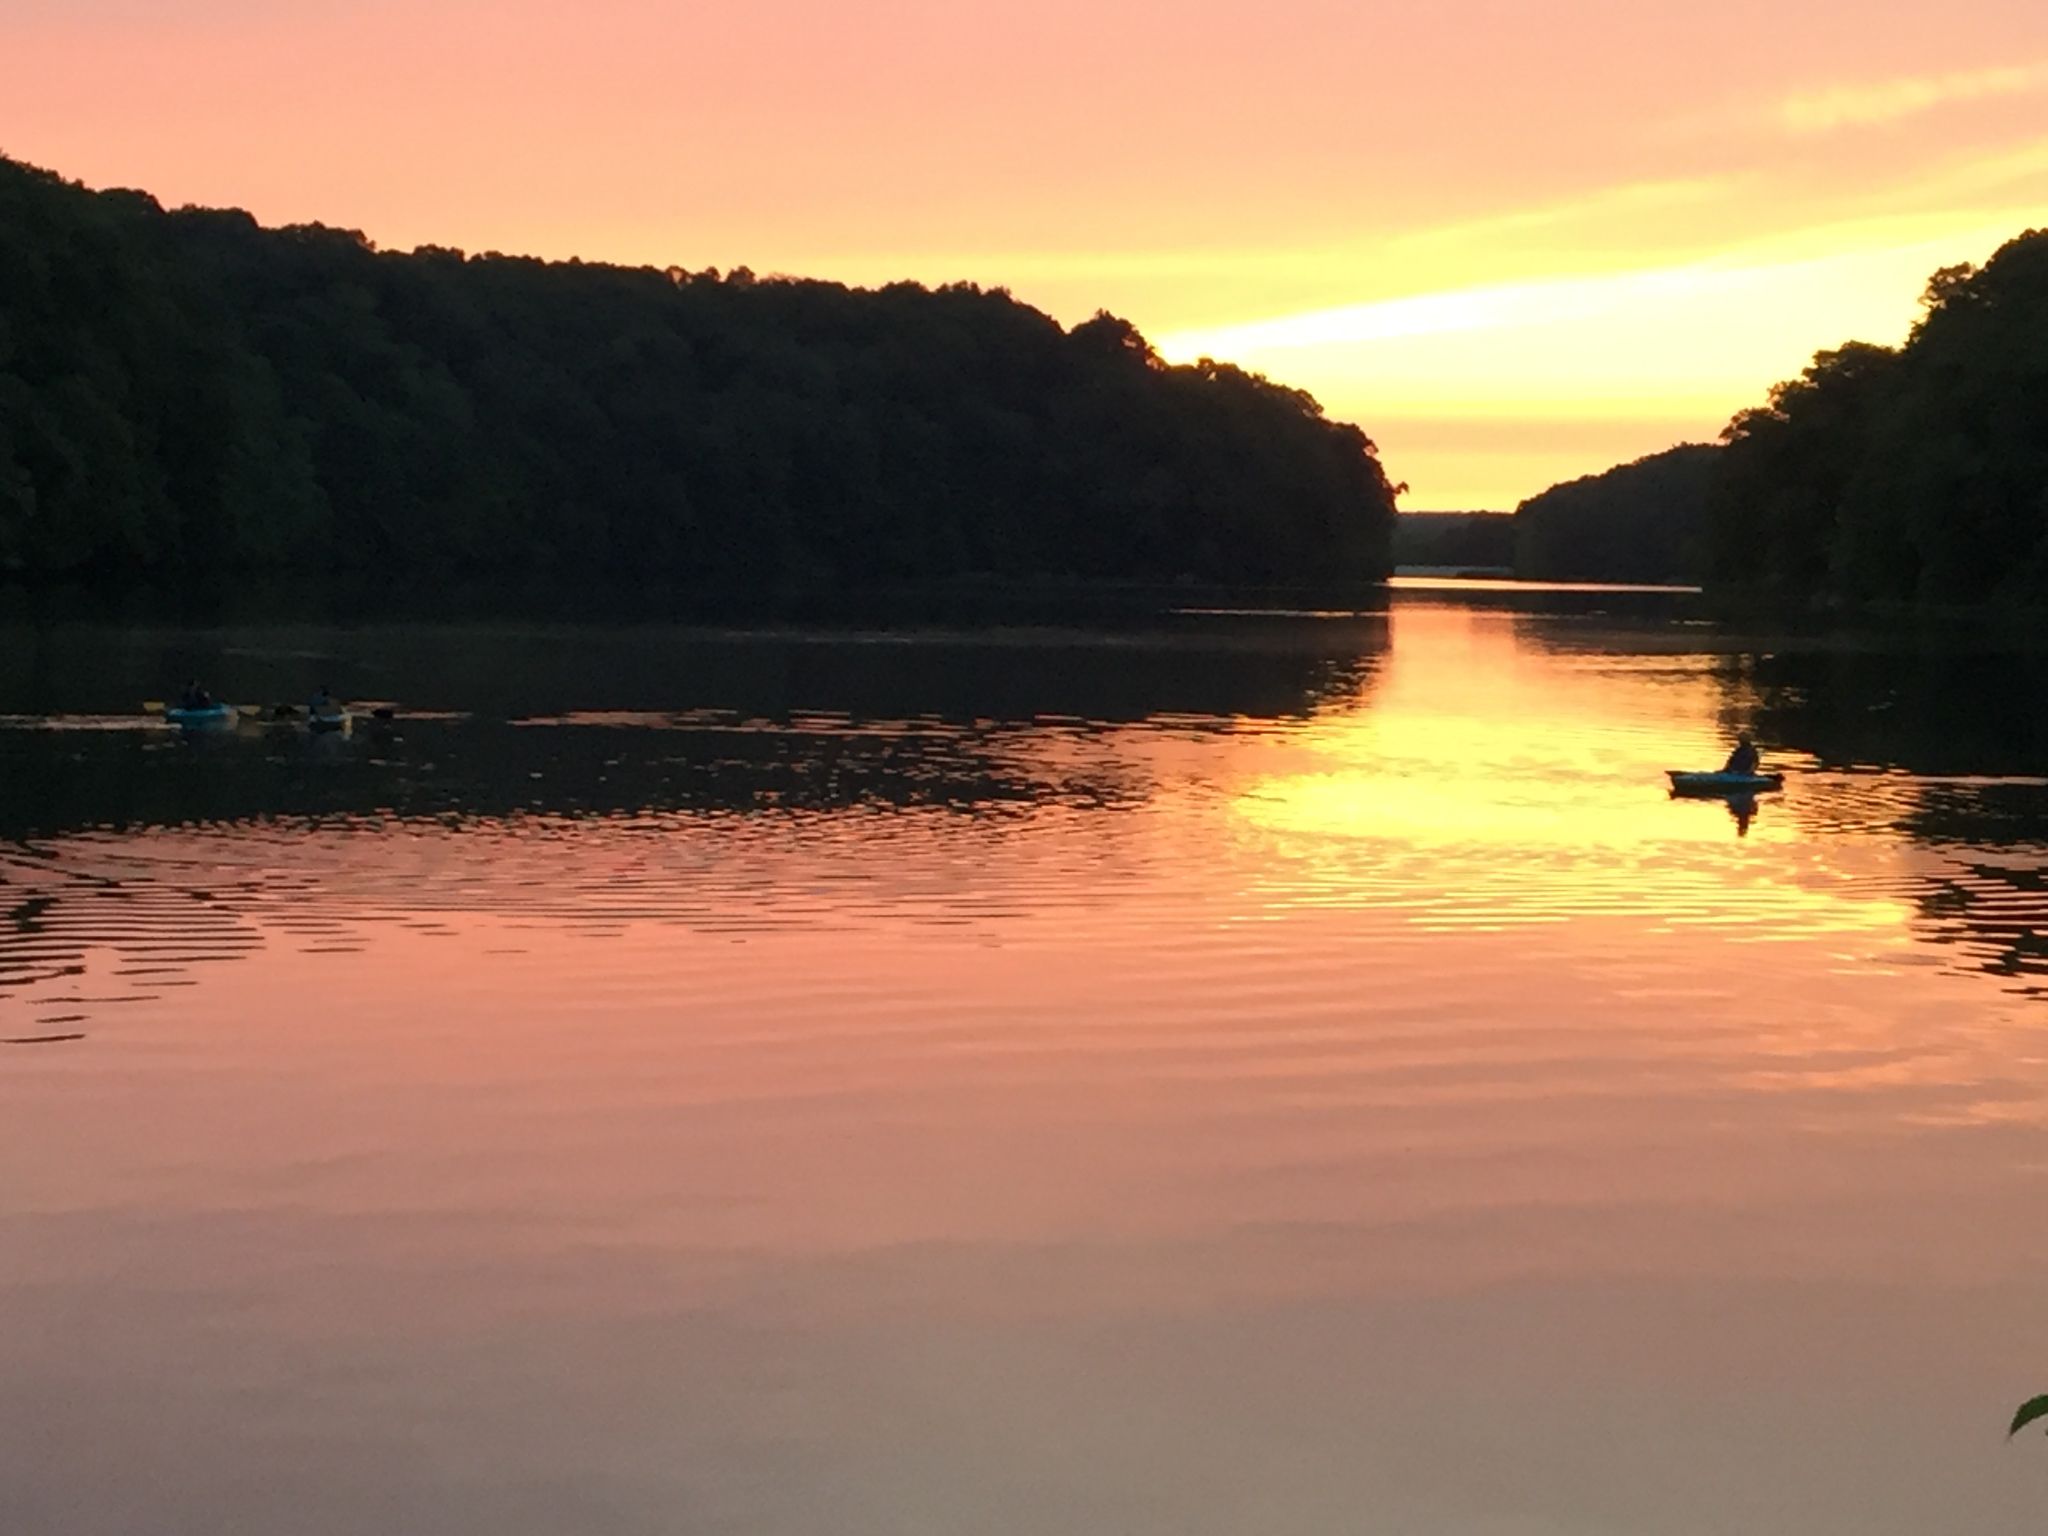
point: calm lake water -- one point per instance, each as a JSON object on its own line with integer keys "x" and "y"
{"x": 1247, "y": 1074}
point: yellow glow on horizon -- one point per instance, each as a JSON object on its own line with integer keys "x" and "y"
{"x": 1864, "y": 273}
{"x": 1690, "y": 343}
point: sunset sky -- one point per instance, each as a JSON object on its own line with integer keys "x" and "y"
{"x": 1514, "y": 241}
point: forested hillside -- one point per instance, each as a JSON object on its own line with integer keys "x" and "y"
{"x": 1454, "y": 539}
{"x": 1635, "y": 522}
{"x": 185, "y": 393}
{"x": 1916, "y": 474}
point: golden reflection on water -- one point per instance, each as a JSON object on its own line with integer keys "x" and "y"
{"x": 1382, "y": 1108}
{"x": 1530, "y": 785}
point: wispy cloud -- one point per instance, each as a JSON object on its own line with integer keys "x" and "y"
{"x": 1887, "y": 101}
{"x": 1697, "y": 340}
{"x": 1494, "y": 307}
{"x": 1603, "y": 208}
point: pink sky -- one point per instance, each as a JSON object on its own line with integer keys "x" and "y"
{"x": 1514, "y": 241}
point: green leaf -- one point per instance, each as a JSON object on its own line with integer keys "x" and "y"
{"x": 2033, "y": 1408}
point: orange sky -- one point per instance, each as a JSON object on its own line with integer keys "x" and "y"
{"x": 1515, "y": 241}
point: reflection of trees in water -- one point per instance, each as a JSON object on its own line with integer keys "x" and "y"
{"x": 1244, "y": 664}
{"x": 670, "y": 719}
{"x": 1939, "y": 744}
{"x": 1943, "y": 711}
{"x": 464, "y": 771}
{"x": 1998, "y": 915}
{"x": 143, "y": 854}
{"x": 157, "y": 863}
{"x": 152, "y": 935}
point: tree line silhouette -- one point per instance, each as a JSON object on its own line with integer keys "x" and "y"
{"x": 1915, "y": 474}
{"x": 1636, "y": 522}
{"x": 1454, "y": 539}
{"x": 185, "y": 394}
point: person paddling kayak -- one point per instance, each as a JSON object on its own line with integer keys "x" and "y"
{"x": 1743, "y": 759}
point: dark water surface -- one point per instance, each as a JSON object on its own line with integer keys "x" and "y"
{"x": 1241, "y": 1074}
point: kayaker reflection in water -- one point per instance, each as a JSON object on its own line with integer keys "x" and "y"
{"x": 1743, "y": 759}
{"x": 195, "y": 697}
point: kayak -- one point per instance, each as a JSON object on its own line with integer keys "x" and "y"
{"x": 1683, "y": 783}
{"x": 327, "y": 720}
{"x": 211, "y": 714}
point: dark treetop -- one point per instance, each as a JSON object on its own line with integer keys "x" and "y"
{"x": 183, "y": 394}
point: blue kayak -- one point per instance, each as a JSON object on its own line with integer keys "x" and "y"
{"x": 1683, "y": 783}
{"x": 211, "y": 714}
